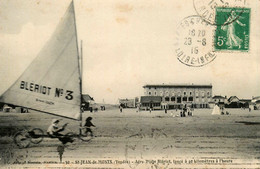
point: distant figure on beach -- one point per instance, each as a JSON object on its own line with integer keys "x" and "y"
{"x": 185, "y": 110}
{"x": 165, "y": 111}
{"x": 182, "y": 113}
{"x": 121, "y": 109}
{"x": 88, "y": 125}
{"x": 150, "y": 109}
{"x": 189, "y": 111}
{"x": 137, "y": 108}
{"x": 222, "y": 110}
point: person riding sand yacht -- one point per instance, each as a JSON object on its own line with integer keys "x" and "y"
{"x": 54, "y": 129}
{"x": 54, "y": 132}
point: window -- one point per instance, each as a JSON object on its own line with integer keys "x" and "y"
{"x": 149, "y": 93}
{"x": 190, "y": 93}
{"x": 184, "y": 99}
{"x": 167, "y": 99}
{"x": 184, "y": 93}
{"x": 155, "y": 93}
{"x": 191, "y": 99}
{"x": 173, "y": 99}
{"x": 178, "y": 99}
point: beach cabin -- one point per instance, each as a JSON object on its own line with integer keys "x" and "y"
{"x": 153, "y": 102}
{"x": 128, "y": 103}
{"x": 87, "y": 101}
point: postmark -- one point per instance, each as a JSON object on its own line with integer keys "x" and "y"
{"x": 206, "y": 9}
{"x": 232, "y": 35}
{"x": 140, "y": 147}
{"x": 194, "y": 42}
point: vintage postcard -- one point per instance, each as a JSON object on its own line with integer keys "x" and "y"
{"x": 129, "y": 84}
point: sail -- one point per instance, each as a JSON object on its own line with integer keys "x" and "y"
{"x": 51, "y": 83}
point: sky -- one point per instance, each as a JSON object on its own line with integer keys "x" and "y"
{"x": 126, "y": 44}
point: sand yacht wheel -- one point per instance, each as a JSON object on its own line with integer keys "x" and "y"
{"x": 23, "y": 138}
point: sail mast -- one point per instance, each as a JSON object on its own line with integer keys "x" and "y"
{"x": 81, "y": 77}
{"x": 79, "y": 65}
{"x": 80, "y": 70}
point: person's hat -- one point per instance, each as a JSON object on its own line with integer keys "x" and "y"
{"x": 89, "y": 118}
{"x": 55, "y": 121}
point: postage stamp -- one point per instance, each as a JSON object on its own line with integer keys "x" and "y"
{"x": 194, "y": 42}
{"x": 206, "y": 9}
{"x": 233, "y": 27}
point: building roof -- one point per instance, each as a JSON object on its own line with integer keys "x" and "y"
{"x": 256, "y": 98}
{"x": 218, "y": 97}
{"x": 177, "y": 86}
{"x": 126, "y": 99}
{"x": 149, "y": 99}
{"x": 231, "y": 98}
{"x": 245, "y": 100}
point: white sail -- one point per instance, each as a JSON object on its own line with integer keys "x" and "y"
{"x": 51, "y": 83}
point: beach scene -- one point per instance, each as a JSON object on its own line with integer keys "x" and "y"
{"x": 132, "y": 136}
{"x": 94, "y": 84}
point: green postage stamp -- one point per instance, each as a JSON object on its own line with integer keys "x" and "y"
{"x": 232, "y": 32}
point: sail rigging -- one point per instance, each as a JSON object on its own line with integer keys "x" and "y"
{"x": 52, "y": 82}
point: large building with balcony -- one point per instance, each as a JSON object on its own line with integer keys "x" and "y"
{"x": 177, "y": 95}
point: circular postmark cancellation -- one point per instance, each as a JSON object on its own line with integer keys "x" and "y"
{"x": 141, "y": 147}
{"x": 194, "y": 42}
{"x": 206, "y": 9}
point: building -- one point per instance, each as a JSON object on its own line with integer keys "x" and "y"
{"x": 153, "y": 102}
{"x": 247, "y": 103}
{"x": 233, "y": 102}
{"x": 128, "y": 103}
{"x": 219, "y": 99}
{"x": 87, "y": 101}
{"x": 256, "y": 102}
{"x": 176, "y": 95}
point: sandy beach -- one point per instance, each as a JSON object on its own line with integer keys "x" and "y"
{"x": 155, "y": 139}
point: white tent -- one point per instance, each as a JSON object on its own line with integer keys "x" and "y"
{"x": 216, "y": 110}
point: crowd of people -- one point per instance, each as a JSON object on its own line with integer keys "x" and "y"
{"x": 184, "y": 111}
